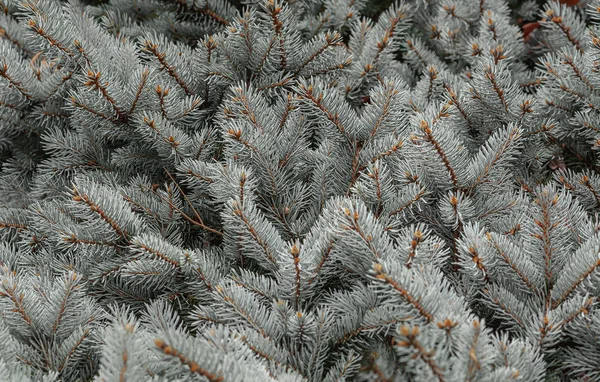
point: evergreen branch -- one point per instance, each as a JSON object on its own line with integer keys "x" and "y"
{"x": 17, "y": 226}
{"x": 352, "y": 218}
{"x": 161, "y": 57}
{"x": 574, "y": 285}
{"x": 588, "y": 125}
{"x": 451, "y": 11}
{"x": 357, "y": 148}
{"x": 548, "y": 250}
{"x": 322, "y": 261}
{"x": 61, "y": 311}
{"x": 385, "y": 111}
{"x": 415, "y": 302}
{"x": 585, "y": 180}
{"x": 94, "y": 81}
{"x": 332, "y": 68}
{"x": 566, "y": 30}
{"x": 78, "y": 197}
{"x": 83, "y": 53}
{"x": 140, "y": 88}
{"x": 10, "y": 292}
{"x": 413, "y": 200}
{"x": 199, "y": 222}
{"x": 490, "y": 76}
{"x": 457, "y": 103}
{"x": 440, "y": 152}
{"x": 307, "y": 93}
{"x": 425, "y": 356}
{"x": 579, "y": 95}
{"x": 237, "y": 136}
{"x": 505, "y": 309}
{"x": 187, "y": 111}
{"x": 389, "y": 33}
{"x": 194, "y": 367}
{"x": 498, "y": 210}
{"x": 288, "y": 108}
{"x": 565, "y": 182}
{"x": 331, "y": 39}
{"x": 373, "y": 367}
{"x": 274, "y": 12}
{"x": 200, "y": 177}
{"x": 241, "y": 311}
{"x": 4, "y": 34}
{"x": 52, "y": 92}
{"x": 262, "y": 355}
{"x": 479, "y": 263}
{"x": 16, "y": 84}
{"x": 366, "y": 328}
{"x": 248, "y": 110}
{"x": 8, "y": 105}
{"x": 162, "y": 93}
{"x": 508, "y": 142}
{"x": 72, "y": 351}
{"x": 324, "y": 19}
{"x": 219, "y": 74}
{"x": 295, "y": 251}
{"x": 474, "y": 364}
{"x": 562, "y": 108}
{"x": 377, "y": 180}
{"x": 414, "y": 49}
{"x": 80, "y": 105}
{"x": 432, "y": 74}
{"x": 237, "y": 211}
{"x": 40, "y": 31}
{"x": 161, "y": 256}
{"x": 206, "y": 11}
{"x": 568, "y": 59}
{"x": 567, "y": 148}
{"x": 582, "y": 310}
{"x": 511, "y": 263}
{"x": 386, "y": 153}
{"x": 277, "y": 84}
{"x": 142, "y": 208}
{"x": 265, "y": 57}
{"x": 415, "y": 241}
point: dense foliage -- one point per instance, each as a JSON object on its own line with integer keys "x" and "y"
{"x": 314, "y": 190}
